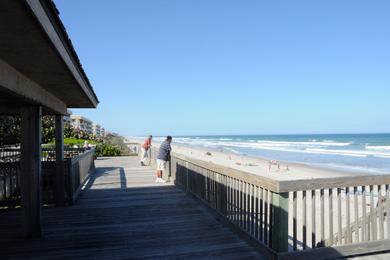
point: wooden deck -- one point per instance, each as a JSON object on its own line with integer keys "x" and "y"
{"x": 122, "y": 213}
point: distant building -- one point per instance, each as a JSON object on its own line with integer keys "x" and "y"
{"x": 67, "y": 117}
{"x": 82, "y": 123}
{"x": 103, "y": 132}
{"x": 96, "y": 130}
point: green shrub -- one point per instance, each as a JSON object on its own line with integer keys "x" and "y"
{"x": 72, "y": 141}
{"x": 107, "y": 150}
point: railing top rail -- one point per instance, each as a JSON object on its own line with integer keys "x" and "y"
{"x": 336, "y": 182}
{"x": 81, "y": 156}
{"x": 280, "y": 186}
{"x": 260, "y": 181}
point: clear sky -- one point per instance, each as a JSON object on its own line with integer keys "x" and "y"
{"x": 196, "y": 67}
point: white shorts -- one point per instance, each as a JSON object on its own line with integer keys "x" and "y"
{"x": 161, "y": 165}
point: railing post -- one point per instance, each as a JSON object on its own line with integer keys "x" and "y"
{"x": 60, "y": 171}
{"x": 70, "y": 182}
{"x": 218, "y": 193}
{"x": 280, "y": 221}
{"x": 187, "y": 180}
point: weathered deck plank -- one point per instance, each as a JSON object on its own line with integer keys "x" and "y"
{"x": 122, "y": 213}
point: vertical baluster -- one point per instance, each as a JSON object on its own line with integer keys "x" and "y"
{"x": 230, "y": 198}
{"x": 226, "y": 191}
{"x": 304, "y": 220}
{"x": 248, "y": 226}
{"x": 244, "y": 206}
{"x": 348, "y": 237}
{"x": 294, "y": 220}
{"x": 257, "y": 212}
{"x": 249, "y": 209}
{"x": 208, "y": 186}
{"x": 261, "y": 217}
{"x": 313, "y": 218}
{"x": 238, "y": 202}
{"x": 356, "y": 212}
{"x": 211, "y": 196}
{"x": 322, "y": 217}
{"x": 235, "y": 201}
{"x": 215, "y": 191}
{"x": 248, "y": 201}
{"x": 253, "y": 210}
{"x": 372, "y": 214}
{"x": 241, "y": 203}
{"x": 364, "y": 215}
{"x": 339, "y": 224}
{"x": 212, "y": 199}
{"x": 380, "y": 211}
{"x": 388, "y": 211}
{"x": 223, "y": 194}
{"x": 270, "y": 218}
{"x": 266, "y": 216}
{"x": 330, "y": 197}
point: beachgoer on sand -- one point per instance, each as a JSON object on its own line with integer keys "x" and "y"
{"x": 273, "y": 162}
{"x": 163, "y": 157}
{"x": 145, "y": 150}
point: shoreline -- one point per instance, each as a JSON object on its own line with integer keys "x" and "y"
{"x": 258, "y": 165}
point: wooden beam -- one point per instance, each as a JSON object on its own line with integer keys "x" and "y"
{"x": 24, "y": 89}
{"x": 60, "y": 170}
{"x": 64, "y": 52}
{"x": 9, "y": 110}
{"x": 31, "y": 171}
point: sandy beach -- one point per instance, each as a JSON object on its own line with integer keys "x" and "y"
{"x": 256, "y": 165}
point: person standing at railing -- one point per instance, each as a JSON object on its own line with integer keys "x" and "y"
{"x": 144, "y": 150}
{"x": 163, "y": 157}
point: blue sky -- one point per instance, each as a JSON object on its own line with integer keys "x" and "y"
{"x": 196, "y": 67}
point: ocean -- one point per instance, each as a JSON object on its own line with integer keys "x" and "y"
{"x": 368, "y": 153}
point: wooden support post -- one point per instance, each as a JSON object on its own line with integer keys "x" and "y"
{"x": 31, "y": 171}
{"x": 280, "y": 221}
{"x": 60, "y": 196}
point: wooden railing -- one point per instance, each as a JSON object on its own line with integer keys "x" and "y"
{"x": 78, "y": 171}
{"x": 77, "y": 165}
{"x": 49, "y": 153}
{"x": 328, "y": 217}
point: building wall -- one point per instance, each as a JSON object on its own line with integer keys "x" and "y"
{"x": 82, "y": 123}
{"x": 96, "y": 129}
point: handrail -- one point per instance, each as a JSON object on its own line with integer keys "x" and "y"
{"x": 79, "y": 169}
{"x": 270, "y": 184}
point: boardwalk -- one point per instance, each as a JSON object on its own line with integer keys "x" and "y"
{"x": 122, "y": 213}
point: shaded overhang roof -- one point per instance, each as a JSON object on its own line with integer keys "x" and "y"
{"x": 33, "y": 41}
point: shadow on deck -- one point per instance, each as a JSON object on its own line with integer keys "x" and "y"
{"x": 122, "y": 213}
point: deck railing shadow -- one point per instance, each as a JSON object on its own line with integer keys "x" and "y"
{"x": 105, "y": 171}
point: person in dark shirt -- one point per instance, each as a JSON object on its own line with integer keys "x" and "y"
{"x": 163, "y": 157}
